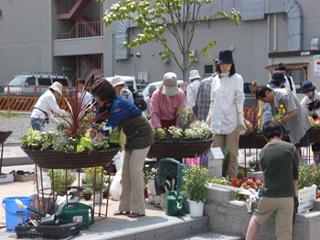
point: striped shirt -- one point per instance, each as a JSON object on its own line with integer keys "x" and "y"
{"x": 202, "y": 104}
{"x": 121, "y": 109}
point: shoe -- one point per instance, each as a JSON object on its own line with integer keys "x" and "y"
{"x": 136, "y": 215}
{"x": 118, "y": 213}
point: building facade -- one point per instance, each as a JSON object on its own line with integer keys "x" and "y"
{"x": 67, "y": 37}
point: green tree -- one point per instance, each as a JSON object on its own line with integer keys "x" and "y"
{"x": 156, "y": 18}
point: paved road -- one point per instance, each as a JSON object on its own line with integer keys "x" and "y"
{"x": 18, "y": 124}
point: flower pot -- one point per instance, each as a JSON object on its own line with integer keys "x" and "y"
{"x": 98, "y": 198}
{"x": 87, "y": 196}
{"x": 196, "y": 208}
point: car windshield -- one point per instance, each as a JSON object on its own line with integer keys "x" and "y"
{"x": 18, "y": 80}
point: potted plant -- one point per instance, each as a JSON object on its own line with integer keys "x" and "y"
{"x": 95, "y": 177}
{"x": 58, "y": 180}
{"x": 87, "y": 193}
{"x": 195, "y": 185}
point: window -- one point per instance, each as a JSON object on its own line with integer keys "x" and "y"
{"x": 298, "y": 76}
{"x": 44, "y": 81}
{"x": 63, "y": 81}
{"x": 30, "y": 81}
{"x": 1, "y": 16}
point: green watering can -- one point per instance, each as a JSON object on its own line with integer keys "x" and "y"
{"x": 76, "y": 212}
{"x": 174, "y": 204}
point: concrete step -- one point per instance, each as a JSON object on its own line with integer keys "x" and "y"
{"x": 149, "y": 228}
{"x": 213, "y": 236}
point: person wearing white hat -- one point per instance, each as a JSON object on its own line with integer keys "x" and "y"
{"x": 47, "y": 106}
{"x": 166, "y": 103}
{"x": 193, "y": 88}
{"x": 121, "y": 90}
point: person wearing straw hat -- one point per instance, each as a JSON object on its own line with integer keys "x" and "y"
{"x": 193, "y": 88}
{"x": 119, "y": 86}
{"x": 46, "y": 106}
{"x": 226, "y": 109}
{"x": 166, "y": 103}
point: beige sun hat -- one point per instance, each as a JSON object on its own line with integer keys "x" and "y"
{"x": 170, "y": 86}
{"x": 116, "y": 81}
{"x": 194, "y": 74}
{"x": 57, "y": 87}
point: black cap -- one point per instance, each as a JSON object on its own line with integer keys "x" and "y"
{"x": 281, "y": 67}
{"x": 307, "y": 86}
{"x": 225, "y": 56}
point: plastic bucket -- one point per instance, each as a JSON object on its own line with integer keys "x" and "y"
{"x": 14, "y": 214}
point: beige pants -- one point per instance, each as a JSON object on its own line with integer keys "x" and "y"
{"x": 132, "y": 196}
{"x": 230, "y": 141}
{"x": 283, "y": 207}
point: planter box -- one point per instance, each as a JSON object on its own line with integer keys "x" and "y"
{"x": 61, "y": 160}
{"x": 6, "y": 178}
{"x": 179, "y": 148}
{"x": 24, "y": 178}
{"x": 227, "y": 215}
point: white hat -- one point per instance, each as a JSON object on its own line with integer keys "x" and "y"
{"x": 194, "y": 74}
{"x": 170, "y": 86}
{"x": 116, "y": 81}
{"x": 57, "y": 87}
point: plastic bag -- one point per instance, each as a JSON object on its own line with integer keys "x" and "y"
{"x": 118, "y": 160}
{"x": 116, "y": 188}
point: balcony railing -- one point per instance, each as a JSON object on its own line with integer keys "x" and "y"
{"x": 64, "y": 6}
{"x": 82, "y": 30}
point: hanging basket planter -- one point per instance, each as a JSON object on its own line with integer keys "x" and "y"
{"x": 179, "y": 148}
{"x": 60, "y": 160}
{"x": 4, "y": 136}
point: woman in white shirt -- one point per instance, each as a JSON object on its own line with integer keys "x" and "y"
{"x": 226, "y": 109}
{"x": 46, "y": 106}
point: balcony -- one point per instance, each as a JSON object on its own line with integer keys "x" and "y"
{"x": 82, "y": 29}
{"x": 71, "y": 9}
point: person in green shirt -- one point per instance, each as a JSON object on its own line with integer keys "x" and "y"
{"x": 280, "y": 170}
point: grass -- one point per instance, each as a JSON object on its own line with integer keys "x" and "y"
{"x": 9, "y": 115}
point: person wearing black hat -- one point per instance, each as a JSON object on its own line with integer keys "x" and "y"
{"x": 311, "y": 100}
{"x": 289, "y": 84}
{"x": 225, "y": 114}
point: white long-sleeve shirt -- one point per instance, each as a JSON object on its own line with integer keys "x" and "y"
{"x": 226, "y": 103}
{"x": 287, "y": 85}
{"x": 192, "y": 91}
{"x": 47, "y": 103}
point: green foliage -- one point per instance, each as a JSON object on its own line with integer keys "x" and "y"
{"x": 58, "y": 180}
{"x": 221, "y": 181}
{"x": 309, "y": 175}
{"x": 38, "y": 140}
{"x": 92, "y": 140}
{"x": 156, "y": 19}
{"x": 195, "y": 183}
{"x": 91, "y": 173}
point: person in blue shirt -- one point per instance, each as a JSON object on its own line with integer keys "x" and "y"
{"x": 121, "y": 113}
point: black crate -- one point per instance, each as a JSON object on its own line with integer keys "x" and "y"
{"x": 51, "y": 232}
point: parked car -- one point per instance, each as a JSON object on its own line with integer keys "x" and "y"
{"x": 34, "y": 84}
{"x": 130, "y": 81}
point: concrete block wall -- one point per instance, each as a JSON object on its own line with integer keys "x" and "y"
{"x": 229, "y": 216}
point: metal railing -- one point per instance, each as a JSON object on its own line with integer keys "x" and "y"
{"x": 82, "y": 30}
{"x": 65, "y": 6}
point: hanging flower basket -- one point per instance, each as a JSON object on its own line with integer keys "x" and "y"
{"x": 4, "y": 136}
{"x": 179, "y": 148}
{"x": 314, "y": 135}
{"x": 60, "y": 160}
{"x": 252, "y": 140}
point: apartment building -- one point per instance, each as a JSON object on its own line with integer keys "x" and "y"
{"x": 68, "y": 37}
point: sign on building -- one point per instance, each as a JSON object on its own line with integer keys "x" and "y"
{"x": 316, "y": 65}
